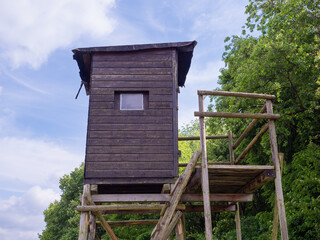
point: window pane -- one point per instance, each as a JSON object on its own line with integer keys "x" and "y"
{"x": 131, "y": 101}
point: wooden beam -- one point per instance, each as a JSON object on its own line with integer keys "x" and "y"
{"x": 215, "y": 197}
{"x": 278, "y": 184}
{"x": 214, "y": 208}
{"x": 235, "y": 167}
{"x": 275, "y": 224}
{"x": 237, "y": 94}
{"x": 238, "y": 223}
{"x": 195, "y": 181}
{"x": 92, "y": 227}
{"x": 171, "y": 226}
{"x": 120, "y": 207}
{"x": 175, "y": 197}
{"x": 207, "y": 137}
{"x": 260, "y": 180}
{"x": 181, "y": 228}
{"x": 209, "y": 164}
{"x": 253, "y": 141}
{"x": 105, "y": 225}
{"x": 248, "y": 129}
{"x": 133, "y": 222}
{"x": 83, "y": 227}
{"x": 204, "y": 173}
{"x": 231, "y": 153}
{"x": 237, "y": 115}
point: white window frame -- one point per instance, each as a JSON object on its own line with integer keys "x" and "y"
{"x": 126, "y": 109}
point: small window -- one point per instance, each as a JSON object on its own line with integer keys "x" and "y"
{"x": 131, "y": 101}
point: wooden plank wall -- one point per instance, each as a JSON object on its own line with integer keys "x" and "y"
{"x": 131, "y": 144}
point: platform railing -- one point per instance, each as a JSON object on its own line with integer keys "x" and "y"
{"x": 265, "y": 113}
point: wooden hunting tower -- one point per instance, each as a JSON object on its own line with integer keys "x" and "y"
{"x": 132, "y": 135}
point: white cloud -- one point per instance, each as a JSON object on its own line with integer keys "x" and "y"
{"x": 32, "y": 29}
{"x": 22, "y": 217}
{"x": 209, "y": 73}
{"x": 35, "y": 162}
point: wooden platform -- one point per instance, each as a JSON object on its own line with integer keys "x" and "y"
{"x": 232, "y": 178}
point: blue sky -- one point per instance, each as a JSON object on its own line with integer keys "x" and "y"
{"x": 42, "y": 126}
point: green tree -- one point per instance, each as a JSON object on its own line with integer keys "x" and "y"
{"x": 278, "y": 53}
{"x": 62, "y": 218}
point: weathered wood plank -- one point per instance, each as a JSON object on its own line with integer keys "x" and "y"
{"x": 237, "y": 94}
{"x": 237, "y": 115}
{"x": 111, "y": 98}
{"x": 133, "y": 71}
{"x": 165, "y": 197}
{"x": 130, "y": 134}
{"x": 129, "y": 149}
{"x": 113, "y": 112}
{"x": 132, "y": 157}
{"x": 142, "y": 78}
{"x": 152, "y": 57}
{"x": 91, "y": 166}
{"x": 128, "y": 173}
{"x": 130, "y": 119}
{"x": 108, "y": 106}
{"x": 152, "y": 91}
{"x": 231, "y": 153}
{"x": 122, "y": 207}
{"x": 131, "y": 64}
{"x": 161, "y": 105}
{"x": 129, "y": 142}
{"x": 131, "y": 84}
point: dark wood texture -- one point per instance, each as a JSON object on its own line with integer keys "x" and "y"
{"x": 137, "y": 144}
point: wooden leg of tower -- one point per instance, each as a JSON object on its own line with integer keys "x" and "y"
{"x": 275, "y": 210}
{"x": 238, "y": 223}
{"x": 204, "y": 174}
{"x": 277, "y": 181}
{"x": 83, "y": 228}
{"x": 92, "y": 227}
{"x": 181, "y": 228}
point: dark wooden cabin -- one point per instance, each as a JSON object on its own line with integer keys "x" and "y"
{"x": 132, "y": 133}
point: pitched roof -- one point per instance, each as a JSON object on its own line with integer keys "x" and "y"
{"x": 184, "y": 50}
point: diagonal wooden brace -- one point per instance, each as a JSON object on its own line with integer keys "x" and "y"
{"x": 165, "y": 220}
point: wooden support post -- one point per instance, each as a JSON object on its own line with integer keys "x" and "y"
{"x": 238, "y": 223}
{"x": 161, "y": 228}
{"x": 231, "y": 153}
{"x": 171, "y": 226}
{"x": 204, "y": 173}
{"x": 92, "y": 227}
{"x": 83, "y": 227}
{"x": 275, "y": 210}
{"x": 181, "y": 228}
{"x": 105, "y": 225}
{"x": 277, "y": 181}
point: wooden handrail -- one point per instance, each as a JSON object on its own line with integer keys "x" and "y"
{"x": 237, "y": 94}
{"x": 190, "y": 138}
{"x": 237, "y": 115}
